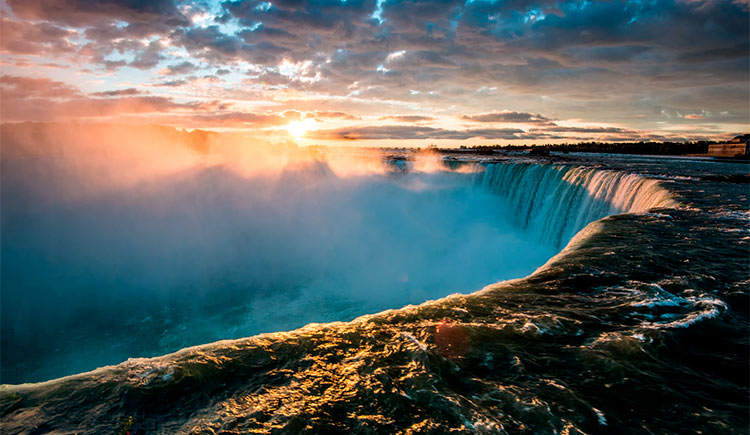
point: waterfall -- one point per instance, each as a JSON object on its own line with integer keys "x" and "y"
{"x": 557, "y": 201}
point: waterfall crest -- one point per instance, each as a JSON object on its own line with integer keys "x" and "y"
{"x": 557, "y": 201}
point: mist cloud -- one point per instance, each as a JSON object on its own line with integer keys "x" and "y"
{"x": 161, "y": 239}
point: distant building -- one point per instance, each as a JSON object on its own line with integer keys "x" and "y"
{"x": 737, "y": 147}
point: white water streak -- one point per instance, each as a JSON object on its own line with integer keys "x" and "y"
{"x": 555, "y": 201}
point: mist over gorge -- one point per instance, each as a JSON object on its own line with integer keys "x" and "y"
{"x": 162, "y": 239}
{"x": 121, "y": 242}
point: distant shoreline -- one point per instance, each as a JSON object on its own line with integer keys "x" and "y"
{"x": 663, "y": 149}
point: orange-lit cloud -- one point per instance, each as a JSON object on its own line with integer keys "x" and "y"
{"x": 552, "y": 71}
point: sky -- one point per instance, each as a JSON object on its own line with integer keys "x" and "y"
{"x": 385, "y": 72}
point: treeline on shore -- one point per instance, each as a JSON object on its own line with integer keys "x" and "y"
{"x": 648, "y": 148}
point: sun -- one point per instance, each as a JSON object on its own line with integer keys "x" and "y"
{"x": 299, "y": 128}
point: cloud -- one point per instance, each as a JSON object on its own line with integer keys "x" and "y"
{"x": 117, "y": 93}
{"x": 81, "y": 13}
{"x": 559, "y": 129}
{"x": 562, "y": 58}
{"x": 185, "y": 67}
{"x": 331, "y": 114}
{"x": 507, "y": 116}
{"x": 172, "y": 83}
{"x": 148, "y": 57}
{"x": 212, "y": 45}
{"x": 228, "y": 119}
{"x": 15, "y": 88}
{"x": 397, "y": 132}
{"x": 34, "y": 109}
{"x": 610, "y": 54}
{"x": 714, "y": 54}
{"x": 26, "y": 99}
{"x": 408, "y": 118}
{"x": 38, "y": 39}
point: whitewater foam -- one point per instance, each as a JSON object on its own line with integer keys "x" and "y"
{"x": 556, "y": 201}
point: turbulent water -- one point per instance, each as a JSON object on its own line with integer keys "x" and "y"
{"x": 210, "y": 255}
{"x": 555, "y": 202}
{"x": 639, "y": 325}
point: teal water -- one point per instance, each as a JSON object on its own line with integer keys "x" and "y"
{"x": 641, "y": 318}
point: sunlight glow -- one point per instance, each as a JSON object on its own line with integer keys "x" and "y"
{"x": 299, "y": 128}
